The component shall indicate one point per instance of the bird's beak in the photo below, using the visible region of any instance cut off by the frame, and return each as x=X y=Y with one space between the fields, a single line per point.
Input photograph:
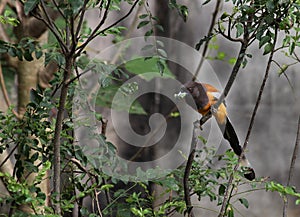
x=181 y=94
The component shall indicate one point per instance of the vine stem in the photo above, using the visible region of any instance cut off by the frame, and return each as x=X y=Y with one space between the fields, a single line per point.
x=229 y=184
x=292 y=166
x=188 y=167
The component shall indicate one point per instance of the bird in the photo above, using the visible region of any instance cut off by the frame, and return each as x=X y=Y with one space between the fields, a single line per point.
x=205 y=96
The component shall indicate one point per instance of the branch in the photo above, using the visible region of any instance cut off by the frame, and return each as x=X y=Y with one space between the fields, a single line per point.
x=93 y=35
x=48 y=22
x=5 y=94
x=57 y=132
x=226 y=195
x=228 y=86
x=228 y=36
x=187 y=197
x=95 y=31
x=188 y=167
x=59 y=9
x=80 y=22
x=292 y=165
x=213 y=21
x=82 y=73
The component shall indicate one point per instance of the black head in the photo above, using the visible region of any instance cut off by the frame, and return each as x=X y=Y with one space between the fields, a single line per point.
x=198 y=93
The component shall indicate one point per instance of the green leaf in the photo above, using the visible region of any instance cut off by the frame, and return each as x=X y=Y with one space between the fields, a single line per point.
x=264 y=40
x=222 y=189
x=268 y=48
x=239 y=30
x=38 y=54
x=283 y=68
x=224 y=16
x=30 y=5
x=12 y=51
x=143 y=23
x=184 y=12
x=230 y=211
x=221 y=56
x=106 y=187
x=289 y=190
x=292 y=47
x=143 y=16
x=159 y=27
x=28 y=56
x=244 y=201
x=35 y=97
x=270 y=5
x=148 y=33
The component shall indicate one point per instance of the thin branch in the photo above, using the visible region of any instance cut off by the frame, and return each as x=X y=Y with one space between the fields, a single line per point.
x=48 y=22
x=187 y=197
x=226 y=195
x=285 y=75
x=81 y=47
x=82 y=73
x=228 y=36
x=127 y=36
x=3 y=88
x=8 y=156
x=80 y=22
x=234 y=73
x=212 y=24
x=292 y=165
x=96 y=29
x=59 y=9
x=5 y=94
x=188 y=167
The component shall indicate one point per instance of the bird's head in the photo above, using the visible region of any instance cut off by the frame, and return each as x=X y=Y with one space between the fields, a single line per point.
x=193 y=91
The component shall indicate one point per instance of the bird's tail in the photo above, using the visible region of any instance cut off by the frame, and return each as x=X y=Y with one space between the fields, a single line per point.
x=231 y=136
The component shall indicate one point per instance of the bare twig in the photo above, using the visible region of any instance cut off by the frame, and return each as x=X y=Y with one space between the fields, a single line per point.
x=292 y=166
x=81 y=47
x=228 y=36
x=96 y=29
x=50 y=24
x=5 y=94
x=3 y=88
x=82 y=73
x=188 y=167
x=8 y=155
x=59 y=9
x=212 y=24
x=80 y=22
x=127 y=36
x=229 y=186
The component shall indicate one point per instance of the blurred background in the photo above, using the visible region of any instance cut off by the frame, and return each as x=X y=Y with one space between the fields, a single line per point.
x=273 y=137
